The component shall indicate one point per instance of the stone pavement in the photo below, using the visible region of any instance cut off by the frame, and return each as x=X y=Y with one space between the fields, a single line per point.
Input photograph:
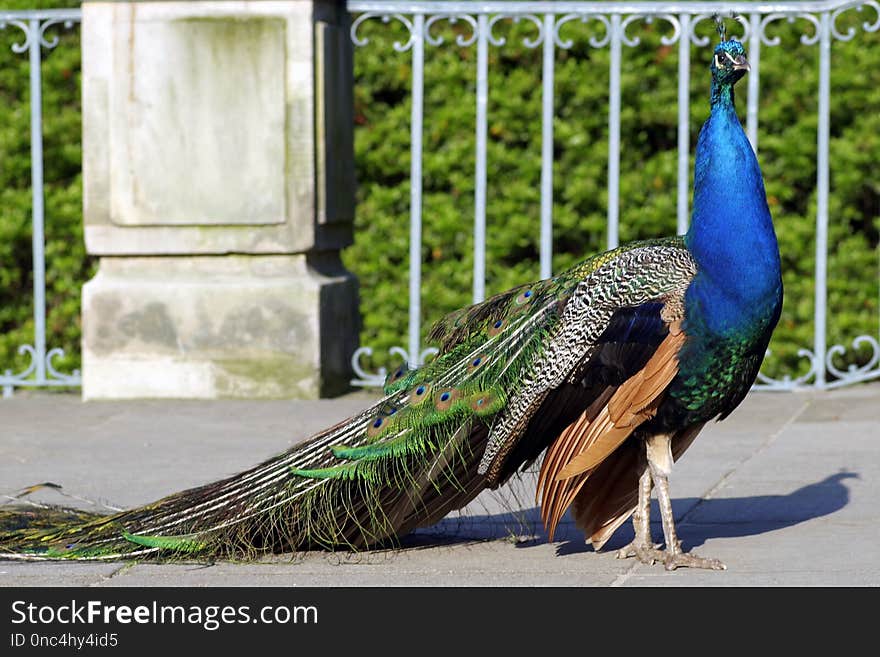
x=784 y=491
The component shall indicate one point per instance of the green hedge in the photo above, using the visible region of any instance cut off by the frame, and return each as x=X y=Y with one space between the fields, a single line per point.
x=648 y=166
x=379 y=256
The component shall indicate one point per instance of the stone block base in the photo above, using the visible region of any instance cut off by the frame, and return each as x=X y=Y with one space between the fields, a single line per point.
x=210 y=327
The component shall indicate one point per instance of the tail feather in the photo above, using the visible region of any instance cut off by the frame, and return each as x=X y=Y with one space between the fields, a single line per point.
x=270 y=507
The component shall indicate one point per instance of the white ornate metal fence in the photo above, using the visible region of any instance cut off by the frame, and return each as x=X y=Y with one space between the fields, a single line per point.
x=615 y=20
x=34 y=25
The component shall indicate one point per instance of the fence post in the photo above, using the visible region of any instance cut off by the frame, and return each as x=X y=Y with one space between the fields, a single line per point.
x=218 y=191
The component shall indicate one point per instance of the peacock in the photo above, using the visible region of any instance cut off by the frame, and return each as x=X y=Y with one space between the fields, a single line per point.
x=608 y=370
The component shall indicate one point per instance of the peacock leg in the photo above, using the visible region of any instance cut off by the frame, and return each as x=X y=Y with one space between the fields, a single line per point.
x=660 y=461
x=642 y=547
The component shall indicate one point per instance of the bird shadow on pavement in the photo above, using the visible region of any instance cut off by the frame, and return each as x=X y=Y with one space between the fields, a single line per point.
x=697 y=519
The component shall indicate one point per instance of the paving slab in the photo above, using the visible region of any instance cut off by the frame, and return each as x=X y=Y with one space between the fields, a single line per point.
x=784 y=492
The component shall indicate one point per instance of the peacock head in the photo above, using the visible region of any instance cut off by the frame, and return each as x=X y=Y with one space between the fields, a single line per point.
x=729 y=62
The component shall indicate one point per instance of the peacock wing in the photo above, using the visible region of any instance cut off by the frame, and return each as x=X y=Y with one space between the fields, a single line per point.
x=614 y=320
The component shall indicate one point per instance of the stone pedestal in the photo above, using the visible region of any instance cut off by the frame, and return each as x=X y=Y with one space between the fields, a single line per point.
x=218 y=189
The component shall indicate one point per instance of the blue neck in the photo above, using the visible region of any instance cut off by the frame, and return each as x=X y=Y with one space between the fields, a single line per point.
x=731 y=234
x=722 y=95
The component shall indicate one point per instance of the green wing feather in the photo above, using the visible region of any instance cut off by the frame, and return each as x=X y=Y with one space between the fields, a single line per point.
x=177 y=543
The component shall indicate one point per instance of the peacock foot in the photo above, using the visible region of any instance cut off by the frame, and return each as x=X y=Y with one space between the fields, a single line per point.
x=673 y=560
x=644 y=551
x=649 y=554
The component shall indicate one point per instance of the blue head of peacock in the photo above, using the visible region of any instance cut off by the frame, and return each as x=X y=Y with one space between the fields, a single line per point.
x=729 y=62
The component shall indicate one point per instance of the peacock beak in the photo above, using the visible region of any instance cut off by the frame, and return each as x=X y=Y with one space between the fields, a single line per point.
x=740 y=63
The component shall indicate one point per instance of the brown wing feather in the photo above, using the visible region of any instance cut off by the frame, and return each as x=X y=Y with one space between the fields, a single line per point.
x=592 y=437
x=561 y=451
